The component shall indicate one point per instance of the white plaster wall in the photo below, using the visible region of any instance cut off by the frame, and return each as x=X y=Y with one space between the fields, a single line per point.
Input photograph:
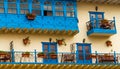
x=98 y=43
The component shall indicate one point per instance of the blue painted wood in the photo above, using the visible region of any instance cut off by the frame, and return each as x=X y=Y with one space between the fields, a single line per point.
x=49 y=49
x=95 y=24
x=19 y=20
x=13 y=58
x=35 y=56
x=96 y=58
x=114 y=57
x=83 y=54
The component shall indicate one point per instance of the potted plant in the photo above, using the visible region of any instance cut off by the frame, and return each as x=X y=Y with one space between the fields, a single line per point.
x=105 y=24
x=30 y=16
x=41 y=55
x=25 y=54
x=61 y=41
x=26 y=41
x=108 y=43
x=53 y=55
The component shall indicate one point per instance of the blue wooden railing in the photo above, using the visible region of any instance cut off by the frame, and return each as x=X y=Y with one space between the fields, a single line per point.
x=62 y=58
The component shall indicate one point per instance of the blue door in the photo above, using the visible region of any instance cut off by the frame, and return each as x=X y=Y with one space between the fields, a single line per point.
x=47 y=49
x=83 y=53
x=96 y=17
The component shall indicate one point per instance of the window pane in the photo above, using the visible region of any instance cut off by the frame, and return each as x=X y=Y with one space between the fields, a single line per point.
x=59 y=8
x=11 y=10
x=59 y=13
x=59 y=4
x=1 y=10
x=1 y=4
x=1 y=1
x=10 y=5
x=11 y=0
x=37 y=12
x=24 y=11
x=70 y=14
x=23 y=1
x=36 y=2
x=24 y=6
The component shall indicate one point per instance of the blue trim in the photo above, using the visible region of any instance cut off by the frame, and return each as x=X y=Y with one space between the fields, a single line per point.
x=83 y=50
x=50 y=61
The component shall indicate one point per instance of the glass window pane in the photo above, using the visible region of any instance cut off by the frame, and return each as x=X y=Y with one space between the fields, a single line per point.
x=11 y=5
x=59 y=13
x=1 y=10
x=23 y=11
x=1 y=1
x=24 y=6
x=23 y=1
x=70 y=14
x=11 y=0
x=37 y=12
x=1 y=4
x=11 y=10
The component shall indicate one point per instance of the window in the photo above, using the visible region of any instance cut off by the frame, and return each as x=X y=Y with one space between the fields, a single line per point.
x=1 y=6
x=70 y=9
x=12 y=6
x=23 y=6
x=58 y=9
x=48 y=8
x=36 y=7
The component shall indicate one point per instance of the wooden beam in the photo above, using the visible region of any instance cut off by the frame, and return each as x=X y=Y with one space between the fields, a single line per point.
x=25 y=30
x=63 y=32
x=45 y=31
x=32 y=30
x=51 y=31
x=69 y=32
x=12 y=30
x=57 y=32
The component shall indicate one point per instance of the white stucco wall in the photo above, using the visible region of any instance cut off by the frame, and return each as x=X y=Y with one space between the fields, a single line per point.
x=98 y=43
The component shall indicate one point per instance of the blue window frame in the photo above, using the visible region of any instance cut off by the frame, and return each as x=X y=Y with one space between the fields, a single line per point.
x=59 y=9
x=83 y=53
x=1 y=6
x=49 y=47
x=36 y=7
x=70 y=9
x=48 y=8
x=24 y=6
x=12 y=6
x=95 y=18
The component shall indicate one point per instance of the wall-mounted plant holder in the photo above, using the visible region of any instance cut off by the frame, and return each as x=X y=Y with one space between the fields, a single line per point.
x=26 y=41
x=108 y=43
x=61 y=42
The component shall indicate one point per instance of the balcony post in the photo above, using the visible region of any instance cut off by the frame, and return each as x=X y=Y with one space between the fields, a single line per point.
x=12 y=55
x=114 y=23
x=35 y=55
x=96 y=56
x=115 y=57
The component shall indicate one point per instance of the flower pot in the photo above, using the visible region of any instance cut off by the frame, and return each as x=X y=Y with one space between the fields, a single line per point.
x=41 y=56
x=53 y=56
x=30 y=17
x=25 y=55
x=60 y=42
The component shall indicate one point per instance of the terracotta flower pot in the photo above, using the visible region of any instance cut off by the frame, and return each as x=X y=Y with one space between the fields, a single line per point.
x=41 y=55
x=25 y=55
x=53 y=56
x=60 y=42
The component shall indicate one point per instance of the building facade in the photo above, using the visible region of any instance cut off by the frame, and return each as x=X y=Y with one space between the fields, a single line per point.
x=83 y=27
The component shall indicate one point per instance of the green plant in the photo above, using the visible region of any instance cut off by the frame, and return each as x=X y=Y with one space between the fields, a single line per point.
x=26 y=52
x=40 y=53
x=52 y=53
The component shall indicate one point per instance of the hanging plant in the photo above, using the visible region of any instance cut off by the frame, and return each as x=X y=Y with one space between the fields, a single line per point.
x=61 y=41
x=108 y=43
x=30 y=16
x=26 y=41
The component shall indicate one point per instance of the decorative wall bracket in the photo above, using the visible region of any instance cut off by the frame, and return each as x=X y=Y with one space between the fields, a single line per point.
x=61 y=41
x=108 y=43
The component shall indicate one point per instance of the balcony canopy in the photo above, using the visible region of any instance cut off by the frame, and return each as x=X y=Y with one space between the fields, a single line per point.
x=101 y=1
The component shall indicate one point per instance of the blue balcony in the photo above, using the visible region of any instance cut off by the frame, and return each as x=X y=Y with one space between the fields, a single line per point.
x=41 y=24
x=99 y=28
x=20 y=57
